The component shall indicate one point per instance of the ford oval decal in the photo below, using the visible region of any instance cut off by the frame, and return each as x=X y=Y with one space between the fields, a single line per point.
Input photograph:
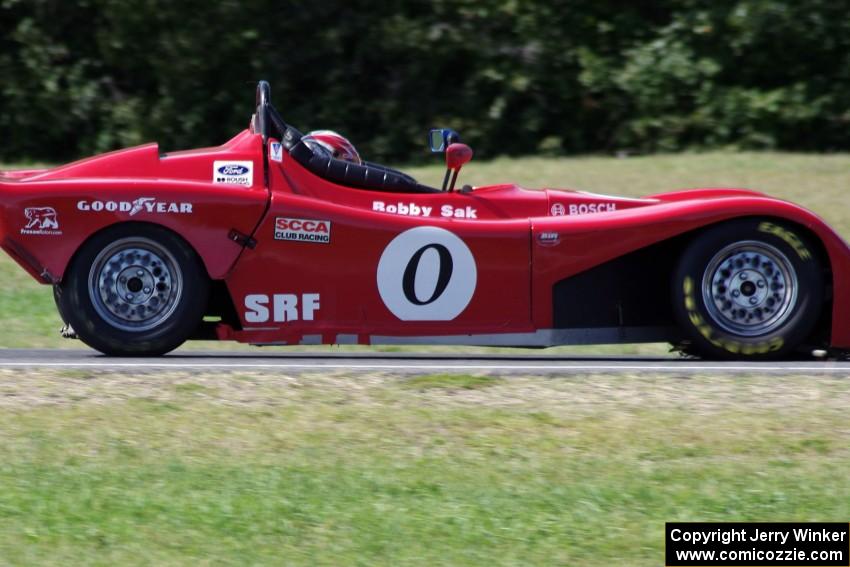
x=233 y=170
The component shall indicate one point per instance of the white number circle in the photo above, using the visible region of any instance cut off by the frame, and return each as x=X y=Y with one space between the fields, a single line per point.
x=427 y=274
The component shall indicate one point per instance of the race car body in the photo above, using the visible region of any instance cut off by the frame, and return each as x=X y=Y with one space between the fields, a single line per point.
x=271 y=239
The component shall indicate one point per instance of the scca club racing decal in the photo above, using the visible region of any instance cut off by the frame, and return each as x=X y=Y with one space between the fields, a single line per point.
x=41 y=220
x=302 y=230
x=427 y=274
x=233 y=173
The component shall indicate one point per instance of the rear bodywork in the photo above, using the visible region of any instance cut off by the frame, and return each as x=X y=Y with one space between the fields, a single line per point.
x=299 y=259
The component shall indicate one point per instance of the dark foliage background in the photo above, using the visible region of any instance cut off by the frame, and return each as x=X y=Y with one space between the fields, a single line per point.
x=514 y=76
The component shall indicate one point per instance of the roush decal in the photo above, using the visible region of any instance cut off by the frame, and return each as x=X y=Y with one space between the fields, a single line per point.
x=233 y=173
x=41 y=221
x=281 y=307
x=413 y=210
x=302 y=230
x=427 y=274
x=132 y=208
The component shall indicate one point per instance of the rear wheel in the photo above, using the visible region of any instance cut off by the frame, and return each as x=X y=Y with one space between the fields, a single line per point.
x=134 y=290
x=748 y=289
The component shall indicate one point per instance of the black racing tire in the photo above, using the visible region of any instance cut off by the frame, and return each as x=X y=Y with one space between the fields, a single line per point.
x=134 y=290
x=748 y=289
x=57 y=298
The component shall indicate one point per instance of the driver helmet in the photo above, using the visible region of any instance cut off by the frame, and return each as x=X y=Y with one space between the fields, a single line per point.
x=333 y=144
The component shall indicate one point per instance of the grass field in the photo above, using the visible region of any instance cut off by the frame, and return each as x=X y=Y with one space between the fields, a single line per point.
x=333 y=469
x=269 y=469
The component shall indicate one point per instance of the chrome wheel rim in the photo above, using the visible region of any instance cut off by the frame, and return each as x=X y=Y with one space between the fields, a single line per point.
x=749 y=288
x=135 y=284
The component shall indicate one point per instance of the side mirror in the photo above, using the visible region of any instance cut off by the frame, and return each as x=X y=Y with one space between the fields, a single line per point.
x=457 y=155
x=441 y=138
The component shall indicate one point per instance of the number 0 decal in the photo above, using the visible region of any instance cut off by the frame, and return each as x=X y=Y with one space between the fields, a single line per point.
x=427 y=274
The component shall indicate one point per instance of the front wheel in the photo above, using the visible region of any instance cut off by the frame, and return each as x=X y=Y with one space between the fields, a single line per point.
x=748 y=289
x=134 y=290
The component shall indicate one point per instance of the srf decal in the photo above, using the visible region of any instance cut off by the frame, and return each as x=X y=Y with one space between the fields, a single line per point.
x=281 y=307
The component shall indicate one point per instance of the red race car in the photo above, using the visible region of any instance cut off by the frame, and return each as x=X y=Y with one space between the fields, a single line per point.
x=277 y=237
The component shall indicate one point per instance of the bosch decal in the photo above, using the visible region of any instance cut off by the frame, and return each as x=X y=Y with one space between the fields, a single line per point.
x=414 y=210
x=281 y=307
x=302 y=230
x=132 y=208
x=234 y=173
x=558 y=210
x=427 y=274
x=587 y=208
x=41 y=221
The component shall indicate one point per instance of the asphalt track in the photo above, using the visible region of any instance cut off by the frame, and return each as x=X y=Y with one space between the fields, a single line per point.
x=408 y=363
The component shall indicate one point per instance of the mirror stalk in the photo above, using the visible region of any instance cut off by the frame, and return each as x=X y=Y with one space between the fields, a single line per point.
x=446 y=180
x=454 y=180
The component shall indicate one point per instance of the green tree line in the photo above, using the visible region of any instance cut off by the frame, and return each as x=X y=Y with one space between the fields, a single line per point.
x=513 y=76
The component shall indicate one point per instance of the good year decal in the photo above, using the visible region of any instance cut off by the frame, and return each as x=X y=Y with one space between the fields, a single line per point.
x=427 y=274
